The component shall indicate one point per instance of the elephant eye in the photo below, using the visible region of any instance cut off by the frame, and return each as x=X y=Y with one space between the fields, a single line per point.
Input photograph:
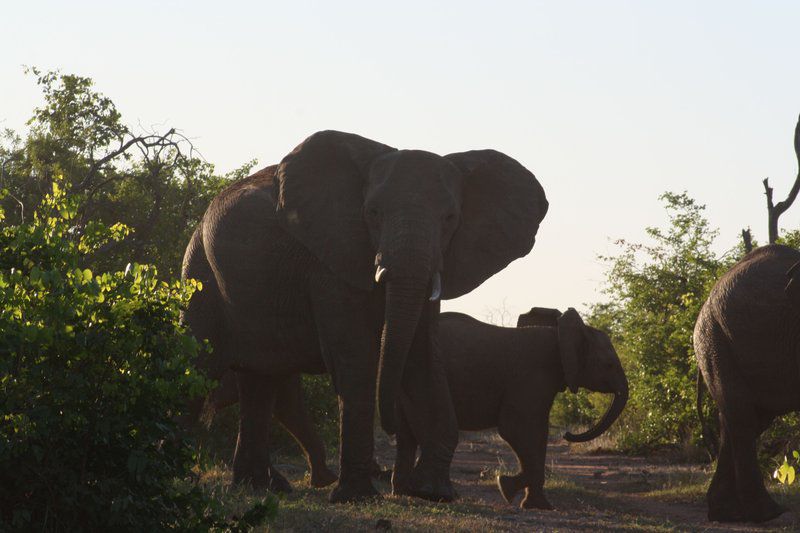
x=449 y=218
x=373 y=213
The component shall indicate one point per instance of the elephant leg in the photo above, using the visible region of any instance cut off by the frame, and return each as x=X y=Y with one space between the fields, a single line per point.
x=741 y=428
x=430 y=413
x=251 y=461
x=356 y=449
x=756 y=502
x=290 y=410
x=350 y=351
x=405 y=456
x=723 y=503
x=527 y=436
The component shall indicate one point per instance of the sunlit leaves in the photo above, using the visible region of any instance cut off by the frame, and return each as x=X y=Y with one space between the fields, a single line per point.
x=785 y=472
x=93 y=373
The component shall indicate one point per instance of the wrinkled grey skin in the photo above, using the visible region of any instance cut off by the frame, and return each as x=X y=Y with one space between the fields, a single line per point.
x=334 y=261
x=508 y=377
x=747 y=343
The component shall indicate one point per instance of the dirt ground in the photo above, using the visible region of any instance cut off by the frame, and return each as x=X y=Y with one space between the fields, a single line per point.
x=616 y=489
x=591 y=492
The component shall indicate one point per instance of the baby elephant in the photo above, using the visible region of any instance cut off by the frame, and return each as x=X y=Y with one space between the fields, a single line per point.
x=508 y=377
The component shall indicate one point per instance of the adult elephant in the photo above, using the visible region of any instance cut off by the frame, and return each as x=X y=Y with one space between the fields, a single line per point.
x=747 y=346
x=335 y=260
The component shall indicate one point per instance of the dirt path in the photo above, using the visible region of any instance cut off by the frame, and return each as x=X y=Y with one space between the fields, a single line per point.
x=602 y=492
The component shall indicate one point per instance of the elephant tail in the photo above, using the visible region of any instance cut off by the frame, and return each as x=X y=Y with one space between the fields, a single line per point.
x=205 y=319
x=710 y=440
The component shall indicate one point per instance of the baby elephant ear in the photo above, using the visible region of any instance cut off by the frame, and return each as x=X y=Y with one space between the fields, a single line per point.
x=539 y=316
x=320 y=188
x=571 y=339
x=502 y=205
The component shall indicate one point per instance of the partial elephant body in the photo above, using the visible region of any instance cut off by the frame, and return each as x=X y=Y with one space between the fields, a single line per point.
x=507 y=378
x=286 y=258
x=747 y=343
x=260 y=324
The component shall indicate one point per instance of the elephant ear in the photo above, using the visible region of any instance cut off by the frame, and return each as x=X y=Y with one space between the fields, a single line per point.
x=571 y=339
x=501 y=207
x=539 y=316
x=320 y=200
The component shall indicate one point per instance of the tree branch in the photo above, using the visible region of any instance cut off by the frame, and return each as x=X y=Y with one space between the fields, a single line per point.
x=170 y=139
x=774 y=211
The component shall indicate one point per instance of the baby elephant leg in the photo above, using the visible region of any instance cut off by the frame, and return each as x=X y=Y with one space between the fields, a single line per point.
x=528 y=439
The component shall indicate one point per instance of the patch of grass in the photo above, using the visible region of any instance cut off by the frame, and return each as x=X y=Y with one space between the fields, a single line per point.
x=309 y=510
x=681 y=487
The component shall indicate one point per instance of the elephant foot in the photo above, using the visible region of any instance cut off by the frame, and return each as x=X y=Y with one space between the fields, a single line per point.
x=757 y=509
x=429 y=486
x=766 y=509
x=276 y=483
x=725 y=513
x=354 y=491
x=535 y=501
x=322 y=477
x=509 y=487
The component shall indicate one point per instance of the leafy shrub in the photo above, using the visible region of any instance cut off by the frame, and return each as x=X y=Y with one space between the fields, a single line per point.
x=655 y=292
x=153 y=182
x=94 y=371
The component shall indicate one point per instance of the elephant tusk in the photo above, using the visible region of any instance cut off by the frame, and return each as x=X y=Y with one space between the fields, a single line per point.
x=436 y=288
x=379 y=273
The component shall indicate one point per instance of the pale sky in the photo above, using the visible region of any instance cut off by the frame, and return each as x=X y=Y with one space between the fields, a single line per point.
x=608 y=103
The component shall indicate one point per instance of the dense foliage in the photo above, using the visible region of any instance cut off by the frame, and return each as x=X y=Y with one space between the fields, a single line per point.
x=654 y=292
x=94 y=372
x=153 y=182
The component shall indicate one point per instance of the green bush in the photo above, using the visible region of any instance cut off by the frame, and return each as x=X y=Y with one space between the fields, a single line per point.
x=153 y=182
x=94 y=371
x=655 y=292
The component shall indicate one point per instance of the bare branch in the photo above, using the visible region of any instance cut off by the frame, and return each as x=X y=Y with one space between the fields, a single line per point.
x=774 y=211
x=170 y=139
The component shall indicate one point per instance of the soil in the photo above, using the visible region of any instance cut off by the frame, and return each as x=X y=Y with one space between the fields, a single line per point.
x=590 y=491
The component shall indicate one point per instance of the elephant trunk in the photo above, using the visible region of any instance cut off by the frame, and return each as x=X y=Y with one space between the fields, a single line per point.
x=611 y=415
x=405 y=298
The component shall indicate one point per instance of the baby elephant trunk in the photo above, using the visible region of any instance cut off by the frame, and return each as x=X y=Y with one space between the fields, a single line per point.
x=613 y=412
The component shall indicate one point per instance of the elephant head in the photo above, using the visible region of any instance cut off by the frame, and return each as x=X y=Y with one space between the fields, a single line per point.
x=426 y=226
x=590 y=361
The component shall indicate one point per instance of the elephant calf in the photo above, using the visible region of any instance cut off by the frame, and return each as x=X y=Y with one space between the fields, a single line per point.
x=508 y=378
